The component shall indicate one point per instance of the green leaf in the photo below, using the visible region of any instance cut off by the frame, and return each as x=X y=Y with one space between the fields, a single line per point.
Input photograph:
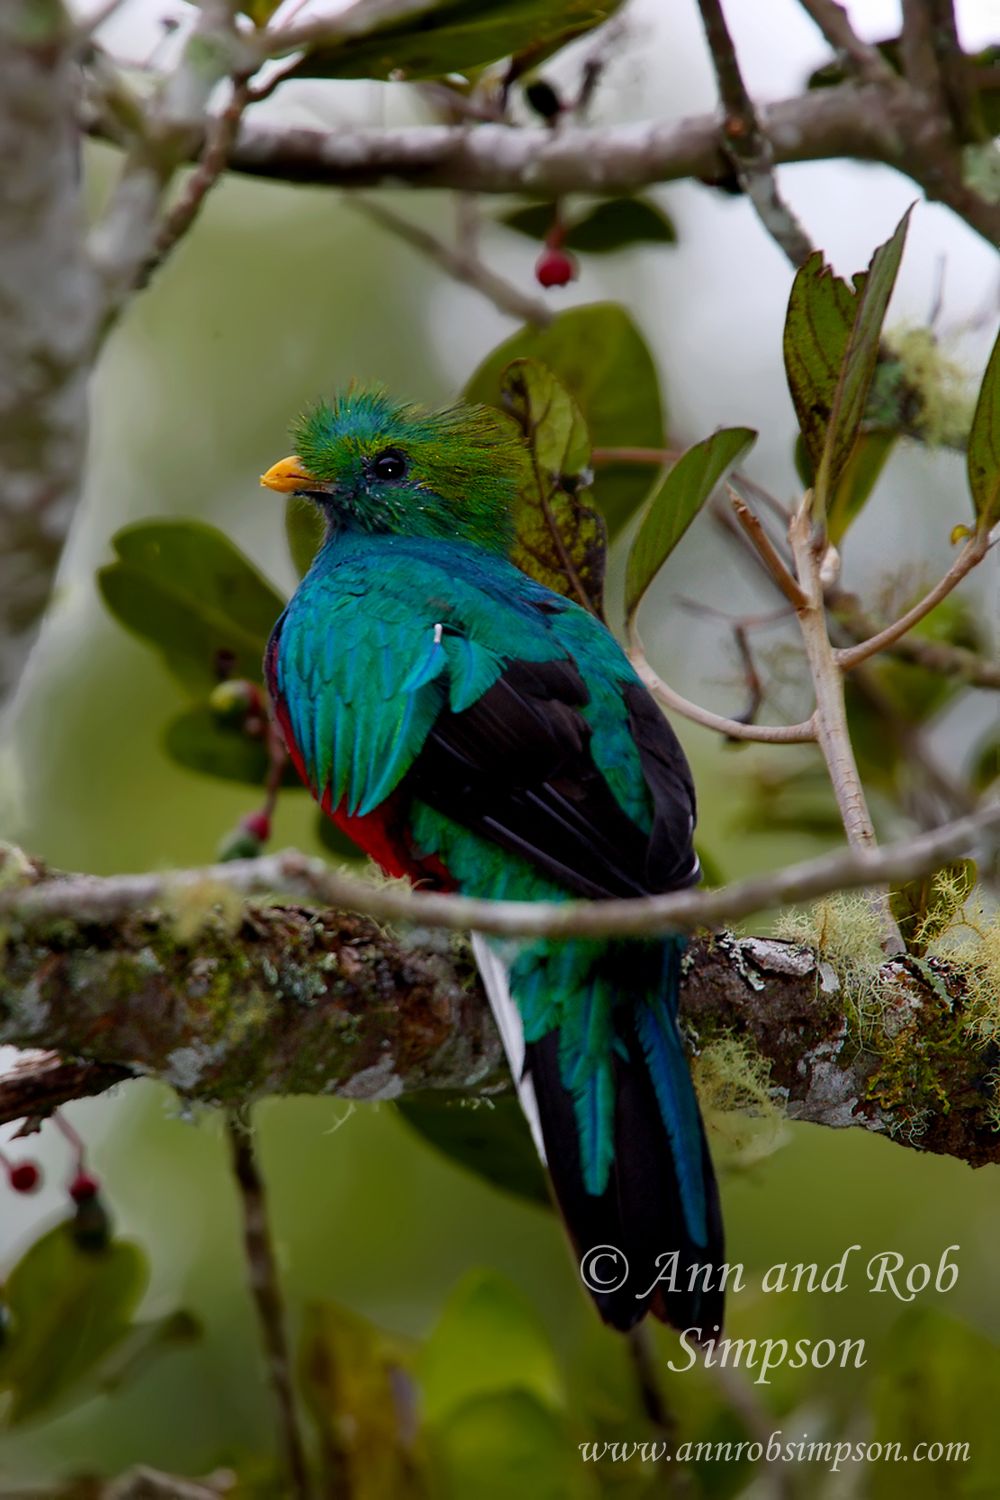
x=488 y=1137
x=558 y=538
x=938 y=1382
x=600 y=356
x=612 y=224
x=183 y=587
x=196 y=740
x=984 y=446
x=489 y=1339
x=453 y=36
x=682 y=493
x=356 y=1383
x=831 y=344
x=858 y=477
x=498 y=1446
x=68 y=1309
x=304 y=529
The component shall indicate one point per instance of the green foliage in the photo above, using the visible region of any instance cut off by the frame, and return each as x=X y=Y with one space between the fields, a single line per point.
x=488 y=1340
x=487 y=1136
x=69 y=1309
x=454 y=36
x=608 y=225
x=984 y=446
x=558 y=538
x=951 y=1397
x=831 y=344
x=680 y=496
x=196 y=740
x=183 y=587
x=358 y=1391
x=856 y=481
x=601 y=358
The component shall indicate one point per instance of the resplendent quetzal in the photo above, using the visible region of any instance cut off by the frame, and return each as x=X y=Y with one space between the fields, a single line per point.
x=477 y=732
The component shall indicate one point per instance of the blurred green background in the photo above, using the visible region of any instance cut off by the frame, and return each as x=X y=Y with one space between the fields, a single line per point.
x=282 y=294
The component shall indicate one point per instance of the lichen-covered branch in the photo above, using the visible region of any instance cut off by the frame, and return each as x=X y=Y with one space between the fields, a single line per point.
x=230 y=1004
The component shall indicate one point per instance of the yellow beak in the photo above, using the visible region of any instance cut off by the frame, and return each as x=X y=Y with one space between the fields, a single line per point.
x=288 y=475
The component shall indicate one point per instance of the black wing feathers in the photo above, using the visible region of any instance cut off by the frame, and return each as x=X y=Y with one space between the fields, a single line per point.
x=517 y=767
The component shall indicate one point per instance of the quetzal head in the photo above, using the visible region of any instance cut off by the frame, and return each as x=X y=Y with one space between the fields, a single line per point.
x=383 y=466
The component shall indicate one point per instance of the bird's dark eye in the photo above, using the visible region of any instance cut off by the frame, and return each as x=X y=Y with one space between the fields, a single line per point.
x=390 y=464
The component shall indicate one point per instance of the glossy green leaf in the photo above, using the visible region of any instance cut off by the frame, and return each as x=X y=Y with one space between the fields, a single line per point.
x=679 y=498
x=304 y=530
x=612 y=224
x=184 y=588
x=196 y=740
x=488 y=1339
x=831 y=343
x=488 y=1137
x=452 y=36
x=601 y=358
x=984 y=446
x=69 y=1308
x=558 y=538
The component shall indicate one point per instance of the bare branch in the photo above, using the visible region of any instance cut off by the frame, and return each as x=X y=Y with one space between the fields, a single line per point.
x=934 y=656
x=971 y=554
x=832 y=732
x=734 y=729
x=107 y=898
x=265 y=1288
x=834 y=22
x=768 y=553
x=745 y=144
x=462 y=264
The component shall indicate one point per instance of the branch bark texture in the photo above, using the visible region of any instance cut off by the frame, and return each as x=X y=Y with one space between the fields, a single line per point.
x=266 y=999
x=48 y=302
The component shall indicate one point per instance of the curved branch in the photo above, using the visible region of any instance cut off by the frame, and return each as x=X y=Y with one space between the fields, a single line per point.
x=95 y=898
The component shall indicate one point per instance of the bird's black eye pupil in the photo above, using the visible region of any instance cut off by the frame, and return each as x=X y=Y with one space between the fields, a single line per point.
x=389 y=465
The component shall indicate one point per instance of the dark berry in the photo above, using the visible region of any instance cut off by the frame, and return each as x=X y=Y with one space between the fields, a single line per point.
x=543 y=99
x=555 y=267
x=25 y=1177
x=83 y=1187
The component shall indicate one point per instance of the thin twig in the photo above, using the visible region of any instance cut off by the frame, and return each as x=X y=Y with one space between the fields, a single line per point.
x=104 y=898
x=745 y=143
x=917 y=54
x=769 y=555
x=462 y=265
x=219 y=139
x=266 y=1291
x=970 y=556
x=652 y=456
x=834 y=22
x=770 y=734
x=832 y=732
x=934 y=656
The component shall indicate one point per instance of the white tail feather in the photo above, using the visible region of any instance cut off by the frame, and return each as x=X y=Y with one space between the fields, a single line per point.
x=496 y=982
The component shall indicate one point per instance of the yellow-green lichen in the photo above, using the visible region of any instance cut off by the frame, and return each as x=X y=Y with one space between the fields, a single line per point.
x=733 y=1082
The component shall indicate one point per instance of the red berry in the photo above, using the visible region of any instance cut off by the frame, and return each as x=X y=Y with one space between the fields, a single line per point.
x=25 y=1177
x=258 y=825
x=83 y=1187
x=555 y=267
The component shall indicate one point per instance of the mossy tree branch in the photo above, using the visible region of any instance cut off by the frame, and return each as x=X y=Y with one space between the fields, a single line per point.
x=243 y=1000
